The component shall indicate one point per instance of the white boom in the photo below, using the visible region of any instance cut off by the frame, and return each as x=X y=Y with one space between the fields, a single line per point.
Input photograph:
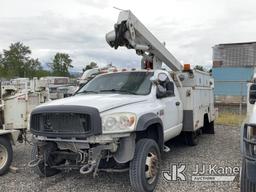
x=131 y=33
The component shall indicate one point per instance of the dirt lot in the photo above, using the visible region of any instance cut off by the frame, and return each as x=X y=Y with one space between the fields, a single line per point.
x=221 y=149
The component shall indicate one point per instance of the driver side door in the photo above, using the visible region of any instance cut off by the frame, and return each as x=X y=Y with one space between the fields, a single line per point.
x=172 y=113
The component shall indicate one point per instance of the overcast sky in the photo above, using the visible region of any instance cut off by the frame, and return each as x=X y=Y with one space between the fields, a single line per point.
x=189 y=27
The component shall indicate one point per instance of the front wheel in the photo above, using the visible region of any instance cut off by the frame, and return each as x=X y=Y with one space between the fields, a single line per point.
x=145 y=166
x=6 y=154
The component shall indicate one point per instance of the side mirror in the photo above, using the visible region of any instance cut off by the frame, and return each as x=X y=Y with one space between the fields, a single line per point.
x=160 y=92
x=162 y=77
x=252 y=94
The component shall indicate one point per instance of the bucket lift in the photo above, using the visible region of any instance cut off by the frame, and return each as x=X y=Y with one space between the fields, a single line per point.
x=131 y=33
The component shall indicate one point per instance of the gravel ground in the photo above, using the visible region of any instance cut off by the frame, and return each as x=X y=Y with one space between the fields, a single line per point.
x=221 y=149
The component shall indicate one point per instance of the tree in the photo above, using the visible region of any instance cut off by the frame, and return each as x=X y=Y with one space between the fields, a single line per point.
x=16 y=62
x=2 y=72
x=1 y=59
x=31 y=67
x=199 y=67
x=61 y=64
x=42 y=73
x=90 y=66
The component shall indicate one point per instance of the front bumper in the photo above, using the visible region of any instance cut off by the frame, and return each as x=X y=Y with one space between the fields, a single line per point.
x=94 y=139
x=85 y=154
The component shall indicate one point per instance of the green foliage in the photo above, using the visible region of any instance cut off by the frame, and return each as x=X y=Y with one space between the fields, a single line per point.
x=90 y=66
x=16 y=62
x=1 y=59
x=199 y=67
x=1 y=66
x=61 y=64
x=42 y=73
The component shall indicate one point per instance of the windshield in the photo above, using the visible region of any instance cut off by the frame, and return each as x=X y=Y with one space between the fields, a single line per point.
x=136 y=83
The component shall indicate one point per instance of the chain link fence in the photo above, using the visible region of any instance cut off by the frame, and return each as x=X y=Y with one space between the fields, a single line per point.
x=230 y=96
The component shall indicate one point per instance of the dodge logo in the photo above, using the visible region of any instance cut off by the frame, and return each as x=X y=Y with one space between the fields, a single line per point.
x=48 y=124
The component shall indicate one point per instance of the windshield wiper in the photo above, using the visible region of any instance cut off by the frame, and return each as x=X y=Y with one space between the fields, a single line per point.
x=85 y=91
x=119 y=90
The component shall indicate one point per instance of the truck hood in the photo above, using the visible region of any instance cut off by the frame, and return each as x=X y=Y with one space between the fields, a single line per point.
x=103 y=102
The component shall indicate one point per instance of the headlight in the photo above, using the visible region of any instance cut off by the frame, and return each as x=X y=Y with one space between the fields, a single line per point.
x=118 y=122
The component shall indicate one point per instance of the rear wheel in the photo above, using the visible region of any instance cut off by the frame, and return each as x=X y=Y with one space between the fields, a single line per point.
x=246 y=184
x=145 y=166
x=41 y=169
x=6 y=154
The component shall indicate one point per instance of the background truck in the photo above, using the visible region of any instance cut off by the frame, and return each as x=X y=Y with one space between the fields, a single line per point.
x=248 y=142
x=18 y=98
x=119 y=121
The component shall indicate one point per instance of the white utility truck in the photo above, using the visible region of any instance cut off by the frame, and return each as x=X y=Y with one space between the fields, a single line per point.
x=91 y=73
x=248 y=142
x=59 y=87
x=88 y=75
x=18 y=98
x=120 y=121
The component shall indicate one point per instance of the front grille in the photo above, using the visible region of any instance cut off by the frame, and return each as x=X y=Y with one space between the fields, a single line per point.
x=61 y=123
x=65 y=121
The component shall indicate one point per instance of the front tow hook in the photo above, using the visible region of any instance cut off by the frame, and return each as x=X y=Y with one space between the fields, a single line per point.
x=86 y=169
x=34 y=163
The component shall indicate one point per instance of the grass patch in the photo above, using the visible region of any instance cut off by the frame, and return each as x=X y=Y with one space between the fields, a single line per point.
x=228 y=118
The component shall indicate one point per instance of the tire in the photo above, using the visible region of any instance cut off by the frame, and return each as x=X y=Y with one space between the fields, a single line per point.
x=146 y=152
x=245 y=183
x=41 y=169
x=6 y=154
x=191 y=138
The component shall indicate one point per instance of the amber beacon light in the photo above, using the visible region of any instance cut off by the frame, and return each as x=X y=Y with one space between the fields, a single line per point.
x=186 y=67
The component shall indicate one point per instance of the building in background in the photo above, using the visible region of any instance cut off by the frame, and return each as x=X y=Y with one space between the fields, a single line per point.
x=233 y=66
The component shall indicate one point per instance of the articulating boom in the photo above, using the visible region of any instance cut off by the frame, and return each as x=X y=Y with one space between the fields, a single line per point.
x=131 y=33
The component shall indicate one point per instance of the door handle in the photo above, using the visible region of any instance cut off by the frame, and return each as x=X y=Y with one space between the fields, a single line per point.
x=177 y=103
